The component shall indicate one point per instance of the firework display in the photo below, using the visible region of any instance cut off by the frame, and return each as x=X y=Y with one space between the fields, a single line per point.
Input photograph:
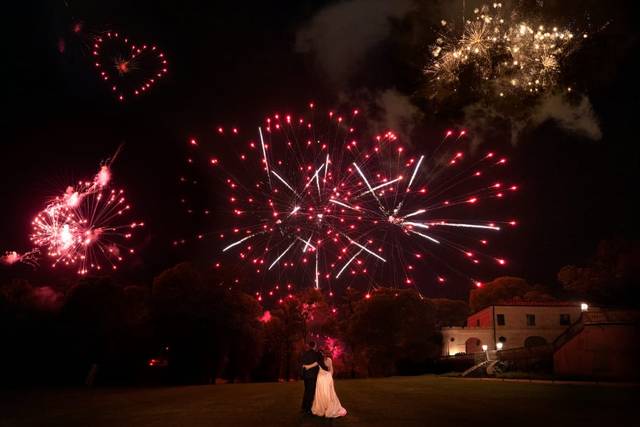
x=129 y=69
x=313 y=197
x=86 y=226
x=512 y=56
x=13 y=257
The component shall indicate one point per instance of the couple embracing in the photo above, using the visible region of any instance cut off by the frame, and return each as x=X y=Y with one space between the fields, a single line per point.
x=319 y=397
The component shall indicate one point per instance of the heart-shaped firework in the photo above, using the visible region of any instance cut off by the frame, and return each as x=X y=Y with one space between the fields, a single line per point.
x=129 y=69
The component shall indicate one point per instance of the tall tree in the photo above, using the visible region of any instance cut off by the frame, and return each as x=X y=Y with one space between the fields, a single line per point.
x=450 y=312
x=288 y=334
x=212 y=331
x=611 y=276
x=392 y=328
x=505 y=289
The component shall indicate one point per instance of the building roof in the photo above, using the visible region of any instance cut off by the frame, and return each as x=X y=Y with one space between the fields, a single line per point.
x=538 y=304
x=519 y=303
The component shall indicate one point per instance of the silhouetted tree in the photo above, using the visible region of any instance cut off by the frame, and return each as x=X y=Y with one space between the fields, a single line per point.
x=94 y=320
x=288 y=334
x=241 y=334
x=29 y=329
x=450 y=312
x=611 y=277
x=319 y=319
x=505 y=289
x=212 y=331
x=392 y=328
x=184 y=313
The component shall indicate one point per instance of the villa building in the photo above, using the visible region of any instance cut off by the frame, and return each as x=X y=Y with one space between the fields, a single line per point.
x=511 y=325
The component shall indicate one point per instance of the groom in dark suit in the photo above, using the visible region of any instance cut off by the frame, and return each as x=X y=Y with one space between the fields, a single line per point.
x=310 y=376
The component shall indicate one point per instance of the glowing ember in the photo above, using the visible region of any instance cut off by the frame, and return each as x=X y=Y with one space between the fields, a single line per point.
x=266 y=317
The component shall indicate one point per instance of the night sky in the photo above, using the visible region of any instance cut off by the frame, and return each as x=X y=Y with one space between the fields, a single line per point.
x=233 y=64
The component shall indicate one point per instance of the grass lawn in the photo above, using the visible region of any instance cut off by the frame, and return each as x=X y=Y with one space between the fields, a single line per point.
x=398 y=401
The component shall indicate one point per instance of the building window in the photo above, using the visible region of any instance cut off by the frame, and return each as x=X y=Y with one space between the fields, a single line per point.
x=565 y=319
x=502 y=339
x=531 y=320
x=500 y=319
x=477 y=322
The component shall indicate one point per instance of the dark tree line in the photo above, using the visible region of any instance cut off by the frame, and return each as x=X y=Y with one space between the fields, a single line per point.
x=611 y=277
x=190 y=325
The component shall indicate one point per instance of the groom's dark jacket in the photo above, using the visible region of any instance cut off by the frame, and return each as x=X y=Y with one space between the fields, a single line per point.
x=308 y=357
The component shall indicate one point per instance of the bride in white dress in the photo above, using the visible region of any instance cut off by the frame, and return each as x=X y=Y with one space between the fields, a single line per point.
x=326 y=402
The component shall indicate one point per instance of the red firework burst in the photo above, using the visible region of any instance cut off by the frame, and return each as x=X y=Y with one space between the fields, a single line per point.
x=86 y=227
x=335 y=202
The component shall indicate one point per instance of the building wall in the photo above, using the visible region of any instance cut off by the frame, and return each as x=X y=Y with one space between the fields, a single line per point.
x=454 y=340
x=514 y=332
x=547 y=323
x=600 y=351
x=481 y=319
x=546 y=317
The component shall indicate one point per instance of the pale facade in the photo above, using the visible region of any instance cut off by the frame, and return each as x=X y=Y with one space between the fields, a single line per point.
x=514 y=325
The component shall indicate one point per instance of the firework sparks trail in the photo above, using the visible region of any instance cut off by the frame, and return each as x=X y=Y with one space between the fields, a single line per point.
x=264 y=155
x=295 y=209
x=326 y=168
x=307 y=244
x=364 y=248
x=415 y=172
x=348 y=263
x=384 y=184
x=371 y=190
x=413 y=176
x=449 y=224
x=314 y=177
x=317 y=275
x=238 y=242
x=338 y=202
x=425 y=236
x=415 y=224
x=285 y=183
x=418 y=212
x=359 y=219
x=281 y=255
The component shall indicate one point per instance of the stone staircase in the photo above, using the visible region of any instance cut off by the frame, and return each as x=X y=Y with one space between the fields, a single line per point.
x=474 y=368
x=571 y=332
x=491 y=370
x=488 y=364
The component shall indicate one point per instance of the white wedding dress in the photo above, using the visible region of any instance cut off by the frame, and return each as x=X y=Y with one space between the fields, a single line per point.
x=326 y=402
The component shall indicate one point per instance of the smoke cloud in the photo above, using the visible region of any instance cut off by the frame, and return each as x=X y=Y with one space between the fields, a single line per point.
x=396 y=112
x=574 y=116
x=341 y=35
x=46 y=298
